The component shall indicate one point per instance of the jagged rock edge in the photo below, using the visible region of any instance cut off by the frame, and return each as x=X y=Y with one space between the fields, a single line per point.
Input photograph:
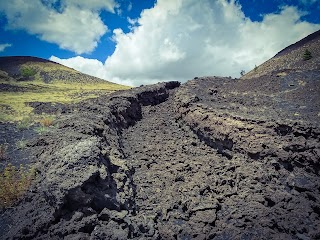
x=99 y=129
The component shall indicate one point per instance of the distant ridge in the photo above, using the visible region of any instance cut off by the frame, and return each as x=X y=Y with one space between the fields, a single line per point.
x=31 y=85
x=21 y=59
x=46 y=70
x=9 y=63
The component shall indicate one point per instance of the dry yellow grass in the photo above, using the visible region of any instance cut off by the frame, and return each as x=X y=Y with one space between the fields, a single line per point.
x=46 y=121
x=65 y=85
x=14 y=183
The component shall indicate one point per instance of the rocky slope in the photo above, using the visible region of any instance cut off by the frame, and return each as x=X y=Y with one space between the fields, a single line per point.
x=291 y=59
x=215 y=158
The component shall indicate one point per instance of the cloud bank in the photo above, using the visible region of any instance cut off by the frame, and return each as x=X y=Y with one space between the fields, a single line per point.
x=180 y=39
x=72 y=24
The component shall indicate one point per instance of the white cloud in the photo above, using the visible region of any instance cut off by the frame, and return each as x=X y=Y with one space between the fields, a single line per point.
x=4 y=46
x=76 y=26
x=132 y=22
x=180 y=39
x=108 y=5
x=92 y=67
x=129 y=6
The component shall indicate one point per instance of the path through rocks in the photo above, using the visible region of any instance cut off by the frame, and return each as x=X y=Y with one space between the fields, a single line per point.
x=172 y=172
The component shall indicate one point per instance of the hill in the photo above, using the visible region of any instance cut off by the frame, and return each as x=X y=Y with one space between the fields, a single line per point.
x=26 y=82
x=214 y=158
x=291 y=59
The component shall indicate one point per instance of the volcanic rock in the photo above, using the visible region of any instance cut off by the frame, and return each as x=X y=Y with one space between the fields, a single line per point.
x=214 y=158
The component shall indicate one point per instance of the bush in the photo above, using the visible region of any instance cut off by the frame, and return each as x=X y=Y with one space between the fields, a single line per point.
x=21 y=144
x=46 y=122
x=27 y=72
x=14 y=183
x=307 y=55
x=25 y=123
x=41 y=130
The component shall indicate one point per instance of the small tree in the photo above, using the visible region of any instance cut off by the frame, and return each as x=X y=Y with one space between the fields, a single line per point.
x=307 y=55
x=243 y=72
x=255 y=68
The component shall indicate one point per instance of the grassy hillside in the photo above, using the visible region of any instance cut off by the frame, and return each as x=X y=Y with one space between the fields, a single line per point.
x=24 y=80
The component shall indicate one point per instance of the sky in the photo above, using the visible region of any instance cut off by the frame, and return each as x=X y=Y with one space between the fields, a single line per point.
x=135 y=42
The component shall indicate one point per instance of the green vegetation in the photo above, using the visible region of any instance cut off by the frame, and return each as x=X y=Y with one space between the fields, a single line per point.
x=14 y=183
x=21 y=144
x=43 y=82
x=40 y=92
x=51 y=83
x=28 y=72
x=42 y=129
x=46 y=124
x=25 y=122
x=307 y=55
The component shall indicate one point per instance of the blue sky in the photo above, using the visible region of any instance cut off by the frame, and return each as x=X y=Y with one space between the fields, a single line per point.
x=139 y=42
x=25 y=44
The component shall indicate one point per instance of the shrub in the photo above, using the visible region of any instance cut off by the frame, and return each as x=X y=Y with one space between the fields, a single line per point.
x=41 y=130
x=243 y=72
x=14 y=183
x=27 y=72
x=46 y=122
x=307 y=55
x=25 y=123
x=21 y=144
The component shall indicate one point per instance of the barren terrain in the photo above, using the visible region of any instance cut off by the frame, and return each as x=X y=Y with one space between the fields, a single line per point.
x=214 y=158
